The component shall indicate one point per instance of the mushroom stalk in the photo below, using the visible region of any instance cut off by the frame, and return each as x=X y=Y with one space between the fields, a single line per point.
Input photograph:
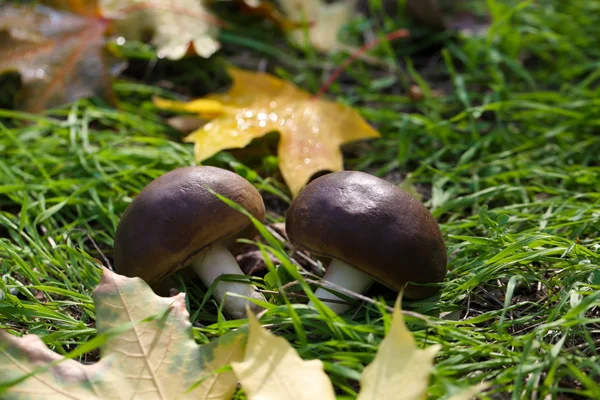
x=217 y=261
x=341 y=274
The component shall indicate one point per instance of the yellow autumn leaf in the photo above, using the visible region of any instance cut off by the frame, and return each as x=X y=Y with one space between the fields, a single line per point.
x=154 y=356
x=400 y=371
x=206 y=107
x=272 y=370
x=311 y=130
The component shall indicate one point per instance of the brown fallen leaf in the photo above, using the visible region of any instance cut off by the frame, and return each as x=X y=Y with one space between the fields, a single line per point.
x=311 y=129
x=149 y=353
x=60 y=56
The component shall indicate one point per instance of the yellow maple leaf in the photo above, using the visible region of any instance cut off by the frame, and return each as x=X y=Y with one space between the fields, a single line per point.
x=272 y=370
x=400 y=371
x=153 y=356
x=312 y=130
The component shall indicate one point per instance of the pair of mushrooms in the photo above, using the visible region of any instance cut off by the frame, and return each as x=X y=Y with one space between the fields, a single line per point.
x=370 y=229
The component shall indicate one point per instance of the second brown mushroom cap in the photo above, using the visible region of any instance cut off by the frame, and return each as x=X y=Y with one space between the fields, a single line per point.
x=372 y=230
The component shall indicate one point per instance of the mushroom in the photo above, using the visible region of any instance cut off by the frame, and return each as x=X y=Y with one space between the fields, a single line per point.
x=177 y=222
x=371 y=230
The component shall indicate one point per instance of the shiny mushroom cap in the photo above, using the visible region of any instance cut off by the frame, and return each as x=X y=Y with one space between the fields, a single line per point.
x=175 y=218
x=371 y=225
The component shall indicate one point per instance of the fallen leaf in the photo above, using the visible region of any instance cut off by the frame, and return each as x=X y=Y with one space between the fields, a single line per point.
x=154 y=355
x=311 y=129
x=174 y=25
x=60 y=56
x=272 y=370
x=324 y=21
x=206 y=107
x=400 y=371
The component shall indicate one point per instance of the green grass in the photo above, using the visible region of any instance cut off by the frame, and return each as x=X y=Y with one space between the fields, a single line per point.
x=507 y=158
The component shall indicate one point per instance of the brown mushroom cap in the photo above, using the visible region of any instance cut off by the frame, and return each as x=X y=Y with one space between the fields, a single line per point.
x=371 y=225
x=175 y=218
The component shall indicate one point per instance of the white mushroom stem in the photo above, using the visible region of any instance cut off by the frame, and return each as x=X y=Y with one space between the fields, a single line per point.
x=218 y=261
x=341 y=274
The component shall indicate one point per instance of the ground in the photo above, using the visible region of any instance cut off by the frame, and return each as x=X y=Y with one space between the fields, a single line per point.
x=503 y=149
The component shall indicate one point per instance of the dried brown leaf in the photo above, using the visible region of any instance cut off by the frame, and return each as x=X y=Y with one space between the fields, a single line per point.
x=60 y=56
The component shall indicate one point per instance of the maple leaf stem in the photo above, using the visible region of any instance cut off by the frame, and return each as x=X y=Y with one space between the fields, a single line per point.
x=177 y=10
x=397 y=34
